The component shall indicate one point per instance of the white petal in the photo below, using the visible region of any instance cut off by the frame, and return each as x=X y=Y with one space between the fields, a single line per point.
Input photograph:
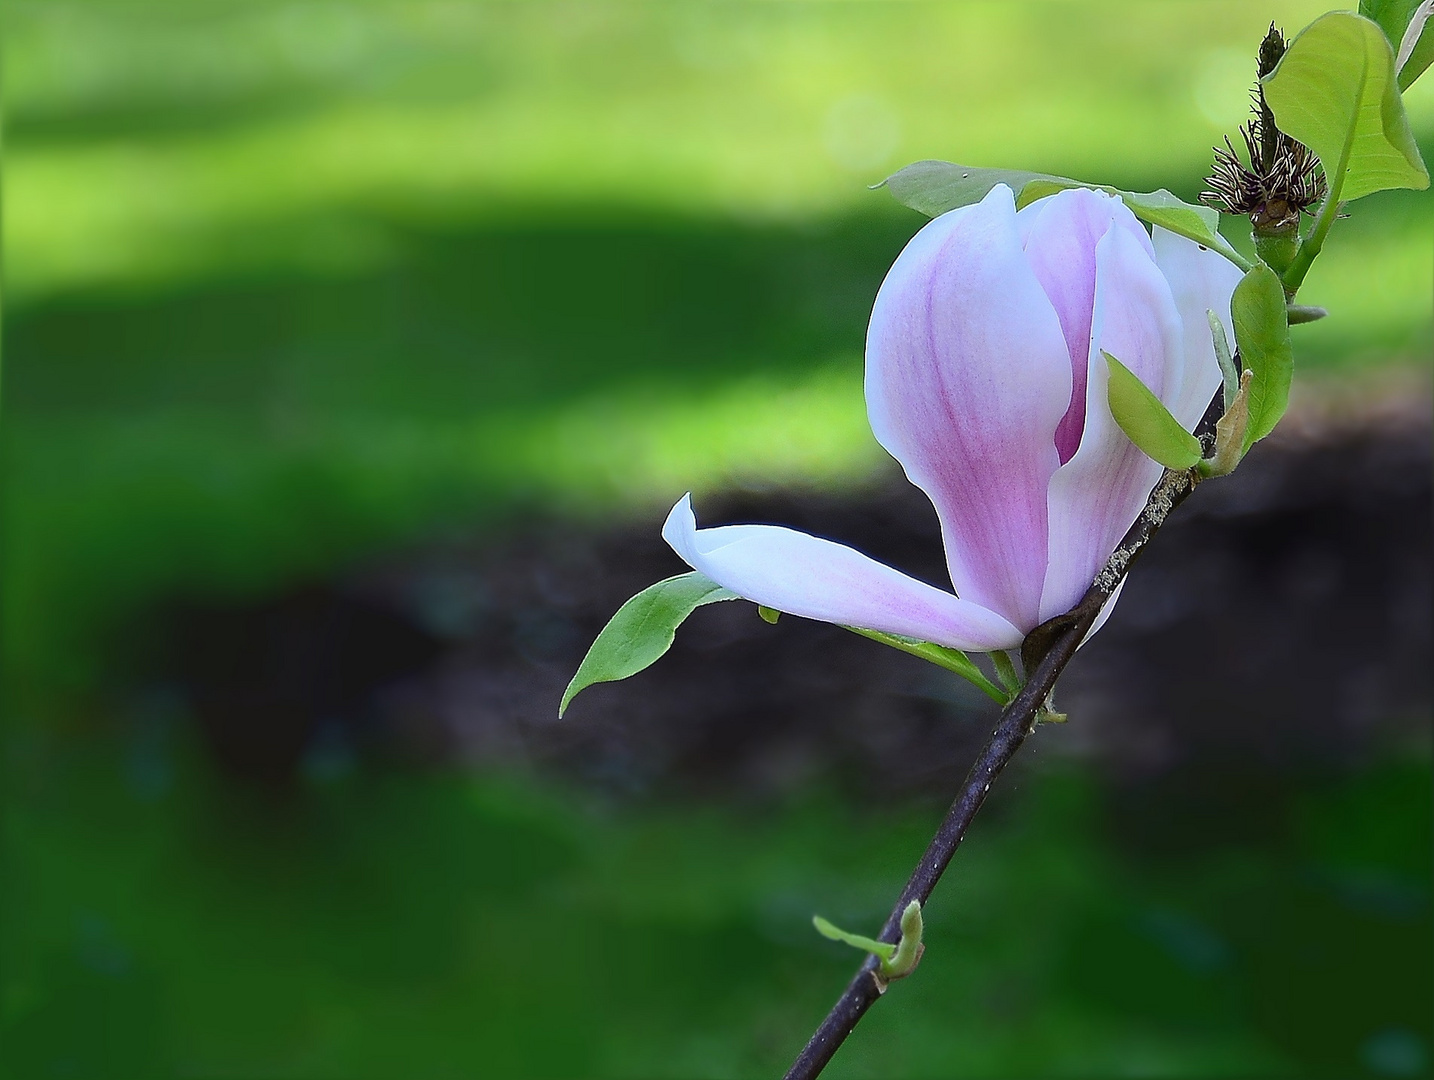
x=1200 y=280
x=804 y=575
x=1105 y=610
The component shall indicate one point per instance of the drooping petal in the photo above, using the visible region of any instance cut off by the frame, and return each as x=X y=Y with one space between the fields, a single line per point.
x=805 y=575
x=967 y=377
x=1060 y=246
x=1097 y=495
x=1201 y=280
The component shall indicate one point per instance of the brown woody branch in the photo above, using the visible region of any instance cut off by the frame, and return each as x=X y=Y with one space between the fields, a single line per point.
x=1047 y=650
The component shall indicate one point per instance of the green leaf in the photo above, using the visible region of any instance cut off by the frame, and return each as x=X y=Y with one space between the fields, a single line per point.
x=883 y=949
x=1039 y=187
x=1404 y=23
x=909 y=949
x=1006 y=671
x=1262 y=336
x=897 y=961
x=1229 y=373
x=953 y=660
x=1392 y=16
x=934 y=187
x=642 y=630
x=1198 y=223
x=1416 y=51
x=1143 y=417
x=1334 y=90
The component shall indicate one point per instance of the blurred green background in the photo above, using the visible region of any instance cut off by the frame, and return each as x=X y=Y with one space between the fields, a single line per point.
x=291 y=284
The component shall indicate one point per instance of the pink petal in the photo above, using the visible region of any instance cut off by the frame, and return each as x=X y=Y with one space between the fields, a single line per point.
x=1060 y=245
x=1097 y=495
x=1200 y=280
x=804 y=575
x=967 y=377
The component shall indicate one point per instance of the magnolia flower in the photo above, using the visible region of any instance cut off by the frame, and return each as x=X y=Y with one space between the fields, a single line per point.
x=985 y=379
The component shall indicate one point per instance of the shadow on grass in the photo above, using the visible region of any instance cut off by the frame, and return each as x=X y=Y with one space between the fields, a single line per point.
x=464 y=321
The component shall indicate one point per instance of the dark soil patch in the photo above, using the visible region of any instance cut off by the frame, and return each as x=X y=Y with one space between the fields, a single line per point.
x=1282 y=622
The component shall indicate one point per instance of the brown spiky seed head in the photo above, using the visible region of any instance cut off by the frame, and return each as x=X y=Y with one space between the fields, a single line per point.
x=1283 y=178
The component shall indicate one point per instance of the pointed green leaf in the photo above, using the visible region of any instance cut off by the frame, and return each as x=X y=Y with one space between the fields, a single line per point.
x=1405 y=23
x=1006 y=671
x=1262 y=336
x=1334 y=90
x=953 y=660
x=1143 y=417
x=883 y=949
x=642 y=630
x=1229 y=373
x=934 y=187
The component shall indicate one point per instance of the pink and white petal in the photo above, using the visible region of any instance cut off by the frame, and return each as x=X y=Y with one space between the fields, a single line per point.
x=967 y=377
x=1097 y=495
x=1201 y=280
x=805 y=575
x=1026 y=218
x=1060 y=246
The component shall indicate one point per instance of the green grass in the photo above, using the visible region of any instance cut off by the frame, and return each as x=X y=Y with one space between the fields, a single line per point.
x=444 y=926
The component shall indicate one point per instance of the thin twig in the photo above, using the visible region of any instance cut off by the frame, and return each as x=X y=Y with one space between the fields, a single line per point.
x=1047 y=650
